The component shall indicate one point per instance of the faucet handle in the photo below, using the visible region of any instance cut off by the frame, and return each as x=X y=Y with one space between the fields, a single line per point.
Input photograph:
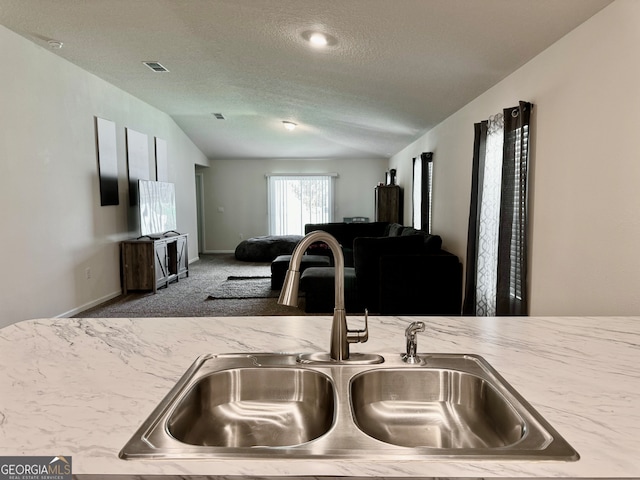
x=360 y=336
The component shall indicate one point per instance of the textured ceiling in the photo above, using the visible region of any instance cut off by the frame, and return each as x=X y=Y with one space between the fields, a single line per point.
x=397 y=69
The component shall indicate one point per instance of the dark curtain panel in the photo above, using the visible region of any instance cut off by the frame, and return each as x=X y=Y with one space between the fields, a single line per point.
x=479 y=148
x=512 y=240
x=512 y=244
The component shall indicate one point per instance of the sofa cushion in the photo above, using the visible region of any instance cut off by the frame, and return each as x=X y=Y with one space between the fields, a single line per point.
x=409 y=231
x=367 y=253
x=432 y=243
x=344 y=233
x=394 y=230
x=318 y=284
x=280 y=266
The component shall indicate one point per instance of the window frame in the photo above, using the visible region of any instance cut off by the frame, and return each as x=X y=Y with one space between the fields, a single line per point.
x=271 y=202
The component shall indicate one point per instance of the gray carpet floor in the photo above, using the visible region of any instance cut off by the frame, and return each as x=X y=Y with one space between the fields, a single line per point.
x=189 y=297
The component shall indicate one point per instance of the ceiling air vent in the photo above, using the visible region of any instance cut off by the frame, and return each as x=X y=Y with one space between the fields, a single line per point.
x=219 y=116
x=155 y=66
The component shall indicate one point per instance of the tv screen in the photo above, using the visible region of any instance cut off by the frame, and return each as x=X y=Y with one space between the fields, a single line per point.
x=157 y=207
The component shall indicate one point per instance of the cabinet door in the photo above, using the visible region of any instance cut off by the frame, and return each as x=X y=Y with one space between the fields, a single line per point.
x=137 y=266
x=388 y=204
x=161 y=264
x=183 y=256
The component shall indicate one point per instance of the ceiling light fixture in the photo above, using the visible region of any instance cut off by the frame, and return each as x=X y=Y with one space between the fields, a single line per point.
x=289 y=125
x=55 y=44
x=318 y=40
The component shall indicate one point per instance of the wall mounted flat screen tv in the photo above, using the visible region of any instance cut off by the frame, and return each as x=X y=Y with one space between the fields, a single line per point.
x=157 y=207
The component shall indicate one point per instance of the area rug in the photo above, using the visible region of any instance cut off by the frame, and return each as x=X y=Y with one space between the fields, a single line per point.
x=244 y=287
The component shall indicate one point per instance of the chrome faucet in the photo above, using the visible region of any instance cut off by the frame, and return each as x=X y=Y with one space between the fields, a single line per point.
x=411 y=333
x=341 y=336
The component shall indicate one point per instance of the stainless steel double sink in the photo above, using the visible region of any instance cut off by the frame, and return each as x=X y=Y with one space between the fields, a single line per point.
x=273 y=406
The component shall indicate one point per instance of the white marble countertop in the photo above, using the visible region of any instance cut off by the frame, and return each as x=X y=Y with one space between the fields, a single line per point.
x=81 y=387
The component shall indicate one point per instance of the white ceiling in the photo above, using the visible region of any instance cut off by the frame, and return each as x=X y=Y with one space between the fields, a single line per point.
x=399 y=67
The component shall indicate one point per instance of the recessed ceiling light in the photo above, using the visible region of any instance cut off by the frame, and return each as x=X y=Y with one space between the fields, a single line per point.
x=289 y=125
x=318 y=39
x=55 y=44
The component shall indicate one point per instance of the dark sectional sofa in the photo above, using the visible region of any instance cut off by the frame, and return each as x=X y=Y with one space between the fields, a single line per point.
x=390 y=269
x=346 y=233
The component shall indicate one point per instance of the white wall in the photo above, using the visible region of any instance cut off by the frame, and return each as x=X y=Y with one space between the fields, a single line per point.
x=239 y=187
x=585 y=214
x=53 y=227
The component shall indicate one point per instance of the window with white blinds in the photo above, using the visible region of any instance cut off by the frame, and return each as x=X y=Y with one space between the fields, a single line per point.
x=519 y=158
x=295 y=200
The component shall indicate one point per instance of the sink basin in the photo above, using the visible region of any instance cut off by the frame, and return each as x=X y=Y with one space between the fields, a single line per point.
x=247 y=407
x=434 y=408
x=284 y=406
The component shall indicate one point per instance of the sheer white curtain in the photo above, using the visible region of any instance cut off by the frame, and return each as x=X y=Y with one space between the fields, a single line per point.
x=295 y=200
x=487 y=273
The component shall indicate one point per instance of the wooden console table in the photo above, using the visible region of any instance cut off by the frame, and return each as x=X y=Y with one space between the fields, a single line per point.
x=150 y=263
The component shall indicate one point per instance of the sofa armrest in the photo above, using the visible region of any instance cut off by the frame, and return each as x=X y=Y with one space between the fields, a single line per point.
x=420 y=284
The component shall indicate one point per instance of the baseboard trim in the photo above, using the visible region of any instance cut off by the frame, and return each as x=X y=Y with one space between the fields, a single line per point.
x=97 y=302
x=219 y=251
x=89 y=305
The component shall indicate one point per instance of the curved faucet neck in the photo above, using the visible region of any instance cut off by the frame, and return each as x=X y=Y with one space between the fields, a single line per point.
x=338 y=259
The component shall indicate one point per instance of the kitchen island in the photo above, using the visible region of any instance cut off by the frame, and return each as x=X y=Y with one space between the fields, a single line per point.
x=81 y=387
